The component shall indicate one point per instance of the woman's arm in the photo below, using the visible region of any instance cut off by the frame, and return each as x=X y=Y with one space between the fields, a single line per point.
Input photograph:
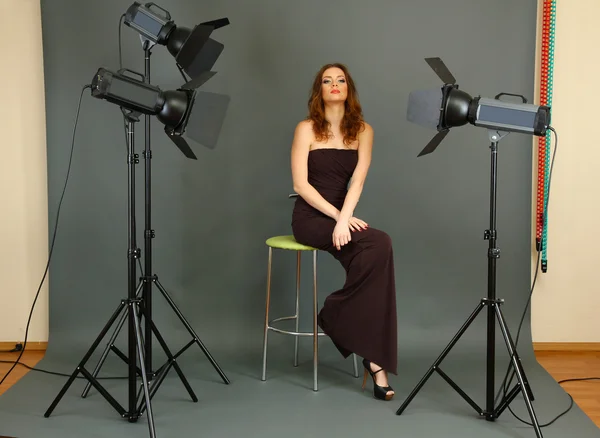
x=299 y=157
x=360 y=174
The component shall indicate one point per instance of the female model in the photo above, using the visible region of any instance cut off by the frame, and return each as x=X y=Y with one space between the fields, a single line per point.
x=330 y=158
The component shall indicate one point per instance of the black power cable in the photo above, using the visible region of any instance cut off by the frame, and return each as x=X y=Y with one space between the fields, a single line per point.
x=53 y=237
x=21 y=347
x=57 y=374
x=506 y=384
x=18 y=347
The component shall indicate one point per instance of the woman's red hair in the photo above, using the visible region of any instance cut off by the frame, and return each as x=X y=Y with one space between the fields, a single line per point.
x=353 y=121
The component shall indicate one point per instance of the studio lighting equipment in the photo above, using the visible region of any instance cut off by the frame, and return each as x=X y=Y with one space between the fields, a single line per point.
x=176 y=110
x=444 y=108
x=185 y=110
x=195 y=53
x=193 y=49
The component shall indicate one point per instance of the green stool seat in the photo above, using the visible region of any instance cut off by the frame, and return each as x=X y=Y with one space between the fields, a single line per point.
x=288 y=242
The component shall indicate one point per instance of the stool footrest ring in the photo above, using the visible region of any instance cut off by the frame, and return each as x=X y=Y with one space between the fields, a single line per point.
x=288 y=332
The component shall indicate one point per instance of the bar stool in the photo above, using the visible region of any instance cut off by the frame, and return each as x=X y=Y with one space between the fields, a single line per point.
x=287 y=242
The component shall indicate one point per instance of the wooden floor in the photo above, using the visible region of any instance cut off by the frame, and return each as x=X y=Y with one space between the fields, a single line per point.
x=560 y=364
x=572 y=365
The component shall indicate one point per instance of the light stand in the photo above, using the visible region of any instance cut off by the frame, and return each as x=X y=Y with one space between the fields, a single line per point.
x=148 y=231
x=147 y=280
x=135 y=340
x=494 y=313
x=202 y=114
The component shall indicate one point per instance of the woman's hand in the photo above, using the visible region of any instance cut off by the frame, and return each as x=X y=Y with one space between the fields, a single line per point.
x=357 y=224
x=341 y=234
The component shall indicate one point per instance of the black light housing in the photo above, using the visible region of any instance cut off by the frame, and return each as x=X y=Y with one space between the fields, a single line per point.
x=193 y=49
x=199 y=115
x=448 y=107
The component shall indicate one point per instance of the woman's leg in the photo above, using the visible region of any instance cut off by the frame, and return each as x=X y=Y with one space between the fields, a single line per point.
x=361 y=316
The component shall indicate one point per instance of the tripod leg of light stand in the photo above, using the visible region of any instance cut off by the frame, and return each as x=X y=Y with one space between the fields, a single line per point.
x=527 y=386
x=435 y=366
x=508 y=397
x=526 y=381
x=518 y=370
x=170 y=363
x=81 y=369
x=191 y=331
x=140 y=352
x=109 y=346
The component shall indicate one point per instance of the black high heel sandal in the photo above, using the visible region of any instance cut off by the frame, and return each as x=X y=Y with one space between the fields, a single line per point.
x=379 y=392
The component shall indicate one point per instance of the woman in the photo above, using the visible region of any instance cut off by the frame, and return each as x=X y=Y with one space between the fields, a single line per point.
x=330 y=158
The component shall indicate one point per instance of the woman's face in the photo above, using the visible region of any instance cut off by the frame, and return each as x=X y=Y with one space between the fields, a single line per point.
x=333 y=85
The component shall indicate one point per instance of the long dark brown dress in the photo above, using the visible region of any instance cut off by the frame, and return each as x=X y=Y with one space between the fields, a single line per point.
x=360 y=317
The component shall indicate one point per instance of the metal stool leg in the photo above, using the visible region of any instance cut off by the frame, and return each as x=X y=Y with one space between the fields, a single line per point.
x=315 y=332
x=315 y=326
x=264 y=367
x=297 y=315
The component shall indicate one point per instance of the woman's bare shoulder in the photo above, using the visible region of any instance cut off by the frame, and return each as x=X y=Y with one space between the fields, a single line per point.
x=366 y=128
x=304 y=129
x=304 y=125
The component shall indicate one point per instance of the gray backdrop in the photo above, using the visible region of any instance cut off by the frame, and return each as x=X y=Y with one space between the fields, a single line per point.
x=213 y=215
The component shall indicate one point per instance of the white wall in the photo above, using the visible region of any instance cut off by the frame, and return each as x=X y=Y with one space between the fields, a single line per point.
x=23 y=195
x=566 y=301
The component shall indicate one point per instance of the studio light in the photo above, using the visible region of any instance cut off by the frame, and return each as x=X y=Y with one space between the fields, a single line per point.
x=448 y=107
x=193 y=49
x=442 y=109
x=183 y=111
x=197 y=114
